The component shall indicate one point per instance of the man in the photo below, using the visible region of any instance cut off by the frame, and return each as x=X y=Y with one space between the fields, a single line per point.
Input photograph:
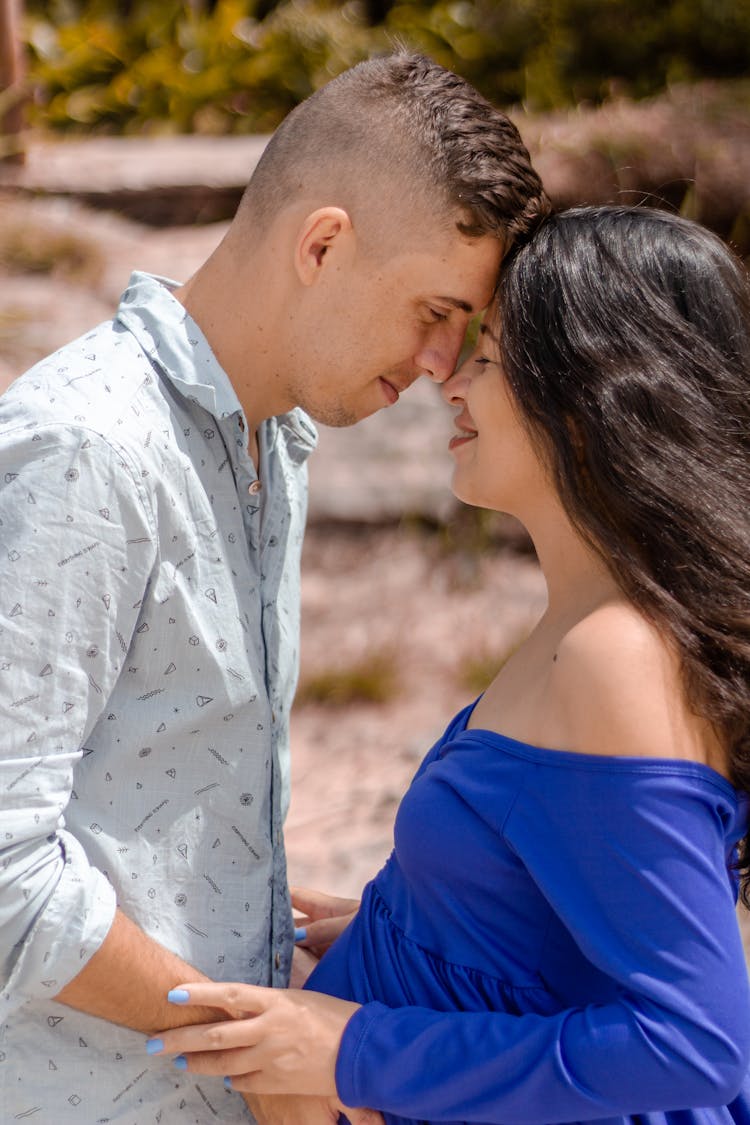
x=152 y=497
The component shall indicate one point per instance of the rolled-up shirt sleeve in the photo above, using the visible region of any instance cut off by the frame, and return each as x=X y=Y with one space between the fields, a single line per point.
x=77 y=550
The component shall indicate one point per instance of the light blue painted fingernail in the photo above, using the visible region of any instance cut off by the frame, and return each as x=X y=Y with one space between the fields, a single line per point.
x=178 y=996
x=153 y=1046
x=180 y=1062
x=228 y=1083
x=300 y=933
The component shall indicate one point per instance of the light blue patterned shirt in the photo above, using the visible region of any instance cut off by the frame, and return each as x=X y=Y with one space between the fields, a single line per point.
x=149 y=617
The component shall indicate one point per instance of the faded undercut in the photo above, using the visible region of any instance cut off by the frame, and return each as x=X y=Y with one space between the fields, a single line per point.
x=404 y=133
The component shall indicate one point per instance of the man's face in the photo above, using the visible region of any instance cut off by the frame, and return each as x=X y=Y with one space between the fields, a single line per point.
x=374 y=326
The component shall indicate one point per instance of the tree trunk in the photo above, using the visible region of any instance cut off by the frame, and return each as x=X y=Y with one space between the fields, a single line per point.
x=11 y=86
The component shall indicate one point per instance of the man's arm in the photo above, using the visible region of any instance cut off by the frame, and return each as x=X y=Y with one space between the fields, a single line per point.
x=56 y=908
x=281 y=1109
x=127 y=980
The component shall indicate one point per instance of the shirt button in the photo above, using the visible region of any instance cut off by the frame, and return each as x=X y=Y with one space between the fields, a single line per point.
x=254 y=488
x=277 y=960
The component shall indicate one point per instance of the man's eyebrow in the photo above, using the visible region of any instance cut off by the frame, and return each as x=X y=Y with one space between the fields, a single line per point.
x=457 y=303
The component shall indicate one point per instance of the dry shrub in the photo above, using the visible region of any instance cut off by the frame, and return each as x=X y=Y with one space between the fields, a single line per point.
x=478 y=670
x=687 y=150
x=373 y=678
x=33 y=245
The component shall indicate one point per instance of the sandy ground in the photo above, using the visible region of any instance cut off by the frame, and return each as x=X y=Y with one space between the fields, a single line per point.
x=393 y=596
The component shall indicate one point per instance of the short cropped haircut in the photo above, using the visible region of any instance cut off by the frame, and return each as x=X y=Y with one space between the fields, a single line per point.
x=406 y=130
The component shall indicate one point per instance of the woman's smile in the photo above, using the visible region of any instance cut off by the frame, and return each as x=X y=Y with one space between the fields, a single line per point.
x=466 y=433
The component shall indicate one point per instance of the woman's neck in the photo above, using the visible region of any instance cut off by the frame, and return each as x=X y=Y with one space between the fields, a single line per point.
x=578 y=581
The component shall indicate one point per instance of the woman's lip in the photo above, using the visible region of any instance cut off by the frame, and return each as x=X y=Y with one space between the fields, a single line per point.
x=461 y=439
x=389 y=390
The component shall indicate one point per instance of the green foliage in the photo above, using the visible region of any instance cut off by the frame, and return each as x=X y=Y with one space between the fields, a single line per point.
x=170 y=65
x=240 y=65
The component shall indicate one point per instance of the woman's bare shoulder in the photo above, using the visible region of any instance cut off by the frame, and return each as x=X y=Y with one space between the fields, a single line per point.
x=616 y=688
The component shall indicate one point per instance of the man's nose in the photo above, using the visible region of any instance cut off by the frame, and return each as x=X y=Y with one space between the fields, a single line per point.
x=439 y=356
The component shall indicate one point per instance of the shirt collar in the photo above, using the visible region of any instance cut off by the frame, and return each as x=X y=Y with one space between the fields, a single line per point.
x=175 y=344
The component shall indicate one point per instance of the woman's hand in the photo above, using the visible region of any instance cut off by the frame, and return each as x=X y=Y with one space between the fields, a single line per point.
x=324 y=917
x=303 y=963
x=276 y=1042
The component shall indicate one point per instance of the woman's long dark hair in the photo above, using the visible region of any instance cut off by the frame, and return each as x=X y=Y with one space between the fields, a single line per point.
x=626 y=341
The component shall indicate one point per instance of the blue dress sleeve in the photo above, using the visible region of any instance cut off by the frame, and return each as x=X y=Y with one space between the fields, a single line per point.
x=633 y=862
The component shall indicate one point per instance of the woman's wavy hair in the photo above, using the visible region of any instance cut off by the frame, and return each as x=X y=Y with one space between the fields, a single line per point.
x=626 y=341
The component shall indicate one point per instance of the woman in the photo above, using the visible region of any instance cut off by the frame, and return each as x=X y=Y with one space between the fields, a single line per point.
x=554 y=937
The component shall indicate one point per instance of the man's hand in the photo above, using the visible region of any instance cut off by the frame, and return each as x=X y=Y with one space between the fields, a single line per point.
x=280 y=1109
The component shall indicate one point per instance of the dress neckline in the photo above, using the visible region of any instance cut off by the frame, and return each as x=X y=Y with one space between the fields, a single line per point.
x=598 y=762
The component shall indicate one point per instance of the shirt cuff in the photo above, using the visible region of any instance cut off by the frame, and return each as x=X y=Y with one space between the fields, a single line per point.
x=65 y=934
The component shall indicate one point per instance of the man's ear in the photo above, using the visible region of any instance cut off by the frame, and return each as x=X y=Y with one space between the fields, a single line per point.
x=317 y=235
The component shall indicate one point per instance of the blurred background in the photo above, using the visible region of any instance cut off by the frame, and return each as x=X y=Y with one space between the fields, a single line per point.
x=128 y=129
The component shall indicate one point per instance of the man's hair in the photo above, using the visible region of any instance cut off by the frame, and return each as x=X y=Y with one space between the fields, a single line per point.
x=406 y=132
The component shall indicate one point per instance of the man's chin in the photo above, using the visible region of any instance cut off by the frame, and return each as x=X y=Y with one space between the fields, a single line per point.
x=338 y=418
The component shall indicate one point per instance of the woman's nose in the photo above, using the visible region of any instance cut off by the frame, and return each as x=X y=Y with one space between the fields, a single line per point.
x=454 y=388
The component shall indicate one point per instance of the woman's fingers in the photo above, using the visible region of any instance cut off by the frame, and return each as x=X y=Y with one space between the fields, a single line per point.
x=238 y=999
x=289 y=1045
x=224 y=1064
x=207 y=1039
x=317 y=904
x=322 y=934
x=323 y=918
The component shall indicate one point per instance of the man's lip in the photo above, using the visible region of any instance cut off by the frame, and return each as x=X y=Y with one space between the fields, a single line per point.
x=391 y=392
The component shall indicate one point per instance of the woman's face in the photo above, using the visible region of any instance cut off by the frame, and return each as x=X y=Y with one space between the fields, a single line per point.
x=496 y=465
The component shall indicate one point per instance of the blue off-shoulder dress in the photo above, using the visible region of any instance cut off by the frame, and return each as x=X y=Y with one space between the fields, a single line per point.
x=553 y=939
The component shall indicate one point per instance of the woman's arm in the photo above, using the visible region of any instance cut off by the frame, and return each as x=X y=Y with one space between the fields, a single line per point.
x=638 y=877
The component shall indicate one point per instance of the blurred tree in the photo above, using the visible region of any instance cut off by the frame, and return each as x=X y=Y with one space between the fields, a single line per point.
x=11 y=74
x=376 y=11
x=226 y=65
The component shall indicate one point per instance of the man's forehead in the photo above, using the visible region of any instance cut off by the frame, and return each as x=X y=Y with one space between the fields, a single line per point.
x=451 y=269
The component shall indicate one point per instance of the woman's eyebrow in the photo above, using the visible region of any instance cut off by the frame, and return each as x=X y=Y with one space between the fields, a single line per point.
x=485 y=330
